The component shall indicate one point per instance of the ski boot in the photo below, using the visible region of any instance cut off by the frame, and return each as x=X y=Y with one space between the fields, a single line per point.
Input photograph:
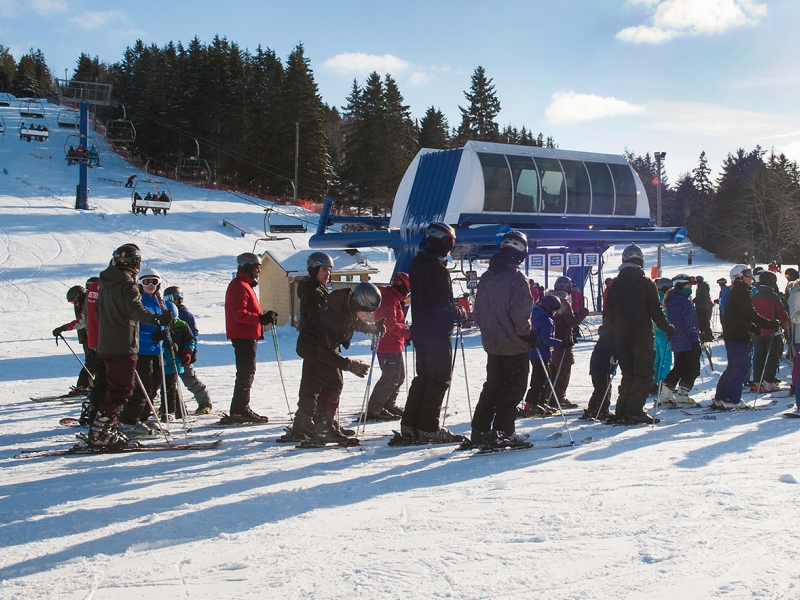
x=667 y=397
x=682 y=399
x=247 y=416
x=104 y=435
x=325 y=433
x=203 y=409
x=440 y=436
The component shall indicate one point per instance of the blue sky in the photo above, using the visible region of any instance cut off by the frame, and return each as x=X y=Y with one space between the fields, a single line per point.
x=679 y=76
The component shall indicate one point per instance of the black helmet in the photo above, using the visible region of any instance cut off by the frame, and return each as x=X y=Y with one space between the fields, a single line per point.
x=663 y=283
x=127 y=256
x=791 y=274
x=517 y=242
x=366 y=297
x=75 y=293
x=767 y=278
x=246 y=259
x=318 y=259
x=550 y=303
x=563 y=283
x=633 y=254
x=441 y=238
x=173 y=294
x=91 y=280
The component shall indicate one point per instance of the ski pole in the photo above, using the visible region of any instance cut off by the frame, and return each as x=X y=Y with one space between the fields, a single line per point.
x=362 y=417
x=550 y=382
x=177 y=389
x=555 y=379
x=763 y=369
x=91 y=377
x=152 y=408
x=280 y=368
x=405 y=360
x=608 y=389
x=449 y=387
x=464 y=359
x=667 y=348
x=163 y=384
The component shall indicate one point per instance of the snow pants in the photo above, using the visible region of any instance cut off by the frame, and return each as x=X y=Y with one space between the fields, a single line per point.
x=91 y=358
x=387 y=389
x=601 y=395
x=539 y=390
x=561 y=372
x=767 y=353
x=172 y=406
x=321 y=388
x=663 y=360
x=729 y=386
x=195 y=386
x=506 y=380
x=120 y=375
x=686 y=369
x=434 y=372
x=98 y=391
x=636 y=361
x=245 y=355
x=137 y=409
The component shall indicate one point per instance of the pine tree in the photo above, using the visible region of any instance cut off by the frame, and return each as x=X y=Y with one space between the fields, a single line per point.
x=478 y=119
x=7 y=69
x=32 y=76
x=434 y=130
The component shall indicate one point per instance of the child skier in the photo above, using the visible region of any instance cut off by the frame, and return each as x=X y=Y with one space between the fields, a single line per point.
x=602 y=365
x=685 y=344
x=183 y=347
x=536 y=404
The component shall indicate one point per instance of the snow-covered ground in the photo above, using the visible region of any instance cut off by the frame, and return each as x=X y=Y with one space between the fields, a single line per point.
x=692 y=508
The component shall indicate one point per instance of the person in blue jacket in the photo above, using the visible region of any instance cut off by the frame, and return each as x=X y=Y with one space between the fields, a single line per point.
x=183 y=347
x=536 y=400
x=685 y=345
x=134 y=415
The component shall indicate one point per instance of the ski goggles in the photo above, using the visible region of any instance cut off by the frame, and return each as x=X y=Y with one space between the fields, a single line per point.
x=173 y=297
x=150 y=282
x=747 y=273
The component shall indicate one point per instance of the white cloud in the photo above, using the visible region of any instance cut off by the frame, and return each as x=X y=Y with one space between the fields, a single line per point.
x=13 y=9
x=711 y=120
x=568 y=108
x=91 y=20
x=682 y=17
x=359 y=64
x=47 y=7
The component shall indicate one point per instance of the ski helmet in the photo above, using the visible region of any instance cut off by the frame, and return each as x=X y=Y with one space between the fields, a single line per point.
x=75 y=293
x=149 y=274
x=516 y=241
x=401 y=279
x=550 y=303
x=722 y=281
x=767 y=278
x=663 y=283
x=633 y=254
x=318 y=259
x=563 y=283
x=127 y=256
x=699 y=279
x=441 y=238
x=173 y=309
x=791 y=274
x=739 y=271
x=246 y=259
x=366 y=297
x=681 y=279
x=173 y=294
x=91 y=280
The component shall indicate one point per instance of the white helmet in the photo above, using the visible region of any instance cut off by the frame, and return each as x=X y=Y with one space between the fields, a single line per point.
x=738 y=271
x=149 y=274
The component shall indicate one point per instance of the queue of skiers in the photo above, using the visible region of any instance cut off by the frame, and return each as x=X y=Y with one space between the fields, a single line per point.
x=138 y=342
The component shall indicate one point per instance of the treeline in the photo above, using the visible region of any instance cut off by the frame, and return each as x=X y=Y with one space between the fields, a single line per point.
x=753 y=206
x=28 y=77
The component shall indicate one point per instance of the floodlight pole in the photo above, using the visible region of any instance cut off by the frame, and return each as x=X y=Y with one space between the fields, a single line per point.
x=82 y=199
x=659 y=157
x=296 y=156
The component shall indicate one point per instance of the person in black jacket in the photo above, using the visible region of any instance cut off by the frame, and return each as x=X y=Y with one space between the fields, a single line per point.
x=702 y=306
x=602 y=365
x=633 y=307
x=433 y=313
x=740 y=316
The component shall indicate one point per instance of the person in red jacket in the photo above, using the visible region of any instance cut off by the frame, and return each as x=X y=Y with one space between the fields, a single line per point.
x=382 y=403
x=244 y=326
x=89 y=408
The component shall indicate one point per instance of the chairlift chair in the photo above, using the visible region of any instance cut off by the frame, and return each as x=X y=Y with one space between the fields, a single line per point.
x=301 y=226
x=156 y=188
x=30 y=132
x=121 y=130
x=89 y=158
x=193 y=169
x=31 y=109
x=68 y=118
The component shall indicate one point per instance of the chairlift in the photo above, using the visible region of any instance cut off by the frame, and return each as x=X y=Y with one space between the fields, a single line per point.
x=298 y=223
x=153 y=194
x=121 y=130
x=90 y=156
x=193 y=169
x=31 y=109
x=69 y=118
x=34 y=132
x=5 y=99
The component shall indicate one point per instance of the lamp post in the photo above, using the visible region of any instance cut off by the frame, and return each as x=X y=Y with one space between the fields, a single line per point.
x=659 y=157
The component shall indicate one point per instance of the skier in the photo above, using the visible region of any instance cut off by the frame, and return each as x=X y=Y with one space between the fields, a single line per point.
x=702 y=305
x=633 y=307
x=183 y=347
x=689 y=258
x=724 y=290
x=76 y=295
x=565 y=319
x=130 y=181
x=601 y=368
x=89 y=408
x=740 y=316
x=383 y=401
x=536 y=404
x=503 y=312
x=335 y=324
x=189 y=375
x=119 y=312
x=244 y=323
x=433 y=314
x=134 y=416
x=685 y=345
x=312 y=291
x=767 y=345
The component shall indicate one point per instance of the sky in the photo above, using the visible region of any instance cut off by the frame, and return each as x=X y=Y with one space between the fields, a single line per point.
x=674 y=76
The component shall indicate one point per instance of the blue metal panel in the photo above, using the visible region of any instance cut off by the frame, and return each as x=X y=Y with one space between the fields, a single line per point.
x=433 y=184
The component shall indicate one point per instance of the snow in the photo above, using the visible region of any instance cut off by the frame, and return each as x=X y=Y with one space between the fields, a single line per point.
x=692 y=508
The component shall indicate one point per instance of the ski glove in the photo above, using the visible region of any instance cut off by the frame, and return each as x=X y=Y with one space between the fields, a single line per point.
x=165 y=318
x=670 y=331
x=774 y=325
x=159 y=335
x=356 y=367
x=376 y=328
x=58 y=331
x=186 y=358
x=269 y=318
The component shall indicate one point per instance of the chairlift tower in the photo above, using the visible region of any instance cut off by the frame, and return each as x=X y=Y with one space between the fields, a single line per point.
x=84 y=93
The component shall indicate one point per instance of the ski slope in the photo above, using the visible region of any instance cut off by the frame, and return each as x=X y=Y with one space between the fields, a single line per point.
x=692 y=508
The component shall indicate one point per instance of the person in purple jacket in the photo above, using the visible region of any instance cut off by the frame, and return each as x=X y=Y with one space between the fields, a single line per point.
x=685 y=344
x=542 y=323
